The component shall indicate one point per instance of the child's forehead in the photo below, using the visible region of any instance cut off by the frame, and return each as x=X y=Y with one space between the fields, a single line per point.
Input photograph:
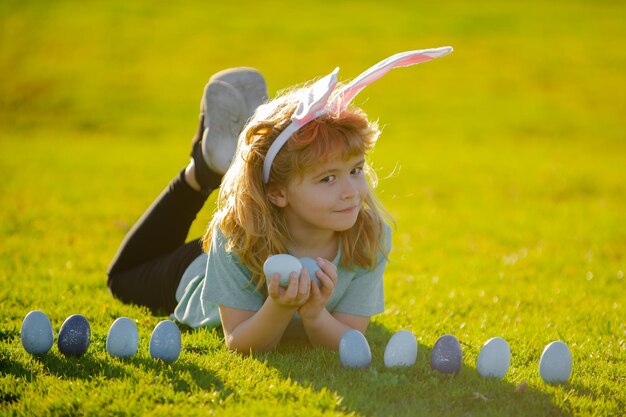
x=335 y=161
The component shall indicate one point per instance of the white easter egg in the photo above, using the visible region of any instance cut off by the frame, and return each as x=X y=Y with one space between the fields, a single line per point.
x=555 y=365
x=401 y=349
x=36 y=333
x=165 y=341
x=354 y=351
x=494 y=358
x=123 y=338
x=282 y=264
x=312 y=267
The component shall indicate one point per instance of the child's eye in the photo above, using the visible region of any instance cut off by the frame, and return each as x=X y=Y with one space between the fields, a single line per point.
x=357 y=171
x=329 y=178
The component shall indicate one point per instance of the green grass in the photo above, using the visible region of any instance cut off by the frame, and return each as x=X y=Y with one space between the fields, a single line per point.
x=503 y=164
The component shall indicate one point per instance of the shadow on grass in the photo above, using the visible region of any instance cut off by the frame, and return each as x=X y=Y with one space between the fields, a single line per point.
x=84 y=367
x=417 y=390
x=180 y=375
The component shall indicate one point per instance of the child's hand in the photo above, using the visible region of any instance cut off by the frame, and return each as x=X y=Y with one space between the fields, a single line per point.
x=320 y=296
x=296 y=293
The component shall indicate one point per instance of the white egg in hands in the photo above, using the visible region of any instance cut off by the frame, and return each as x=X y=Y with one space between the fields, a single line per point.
x=401 y=349
x=165 y=341
x=354 y=351
x=283 y=265
x=123 y=338
x=494 y=358
x=36 y=333
x=555 y=365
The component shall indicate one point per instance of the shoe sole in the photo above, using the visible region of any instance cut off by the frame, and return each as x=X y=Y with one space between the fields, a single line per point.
x=225 y=114
x=248 y=82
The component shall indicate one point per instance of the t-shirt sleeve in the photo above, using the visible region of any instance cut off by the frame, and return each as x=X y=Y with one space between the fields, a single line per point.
x=365 y=294
x=227 y=280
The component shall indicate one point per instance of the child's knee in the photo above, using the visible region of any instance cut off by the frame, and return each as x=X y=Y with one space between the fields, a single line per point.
x=114 y=282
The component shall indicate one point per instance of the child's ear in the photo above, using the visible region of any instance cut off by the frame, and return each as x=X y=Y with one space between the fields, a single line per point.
x=277 y=195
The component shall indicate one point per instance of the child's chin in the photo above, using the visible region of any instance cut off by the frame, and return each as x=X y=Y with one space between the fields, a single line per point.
x=345 y=227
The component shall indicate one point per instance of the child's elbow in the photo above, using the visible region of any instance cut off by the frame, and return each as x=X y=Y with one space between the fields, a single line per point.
x=235 y=345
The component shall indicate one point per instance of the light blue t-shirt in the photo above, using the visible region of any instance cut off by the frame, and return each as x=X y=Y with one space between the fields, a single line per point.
x=219 y=278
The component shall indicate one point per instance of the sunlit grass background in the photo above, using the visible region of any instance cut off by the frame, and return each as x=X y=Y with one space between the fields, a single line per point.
x=503 y=165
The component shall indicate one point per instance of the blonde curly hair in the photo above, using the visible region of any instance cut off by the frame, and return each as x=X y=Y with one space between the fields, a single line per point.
x=253 y=227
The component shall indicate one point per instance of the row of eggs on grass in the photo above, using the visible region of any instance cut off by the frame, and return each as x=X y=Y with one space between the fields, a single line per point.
x=494 y=359
x=75 y=336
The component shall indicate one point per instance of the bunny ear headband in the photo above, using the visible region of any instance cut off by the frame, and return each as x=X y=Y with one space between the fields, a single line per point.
x=316 y=100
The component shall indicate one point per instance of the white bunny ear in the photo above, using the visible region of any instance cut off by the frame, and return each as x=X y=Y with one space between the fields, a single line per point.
x=315 y=99
x=312 y=104
x=402 y=59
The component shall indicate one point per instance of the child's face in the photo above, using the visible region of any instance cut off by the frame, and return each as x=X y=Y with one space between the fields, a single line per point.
x=327 y=198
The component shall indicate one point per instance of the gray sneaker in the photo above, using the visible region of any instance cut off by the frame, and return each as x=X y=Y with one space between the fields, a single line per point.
x=229 y=100
x=248 y=82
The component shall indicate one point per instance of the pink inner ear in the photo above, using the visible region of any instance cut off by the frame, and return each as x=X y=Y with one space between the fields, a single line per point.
x=402 y=59
x=373 y=74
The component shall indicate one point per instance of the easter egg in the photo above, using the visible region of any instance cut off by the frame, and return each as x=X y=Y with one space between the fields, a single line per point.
x=555 y=365
x=165 y=341
x=123 y=338
x=401 y=349
x=283 y=265
x=74 y=336
x=36 y=333
x=311 y=265
x=447 y=356
x=354 y=351
x=494 y=358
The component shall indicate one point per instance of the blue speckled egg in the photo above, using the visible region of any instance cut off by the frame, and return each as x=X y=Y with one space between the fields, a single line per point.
x=283 y=265
x=446 y=356
x=401 y=350
x=494 y=358
x=354 y=351
x=74 y=336
x=555 y=365
x=36 y=334
x=311 y=266
x=165 y=341
x=123 y=338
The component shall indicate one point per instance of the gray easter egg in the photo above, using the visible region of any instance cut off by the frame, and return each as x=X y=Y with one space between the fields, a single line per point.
x=446 y=356
x=123 y=338
x=165 y=342
x=401 y=349
x=494 y=358
x=354 y=351
x=36 y=333
x=311 y=265
x=555 y=365
x=283 y=265
x=74 y=336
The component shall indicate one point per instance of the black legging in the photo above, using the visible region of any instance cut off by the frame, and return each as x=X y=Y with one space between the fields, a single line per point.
x=153 y=256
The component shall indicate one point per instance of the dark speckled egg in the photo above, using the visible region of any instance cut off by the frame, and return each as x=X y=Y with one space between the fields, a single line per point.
x=446 y=356
x=74 y=336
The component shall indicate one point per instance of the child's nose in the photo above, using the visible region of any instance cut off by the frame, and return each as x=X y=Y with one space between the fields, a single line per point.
x=349 y=189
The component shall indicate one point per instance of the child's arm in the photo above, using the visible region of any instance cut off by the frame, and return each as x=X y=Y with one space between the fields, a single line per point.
x=260 y=331
x=322 y=328
x=326 y=329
